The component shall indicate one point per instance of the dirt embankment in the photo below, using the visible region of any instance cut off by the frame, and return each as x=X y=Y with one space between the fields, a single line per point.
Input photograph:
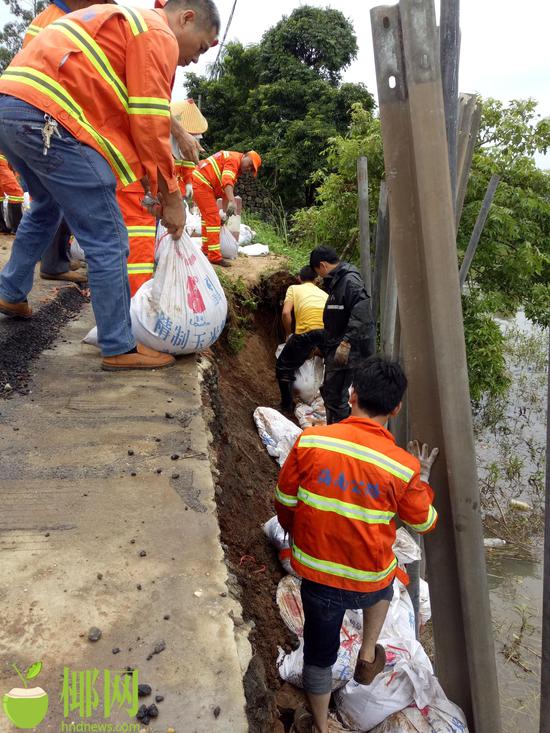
x=236 y=385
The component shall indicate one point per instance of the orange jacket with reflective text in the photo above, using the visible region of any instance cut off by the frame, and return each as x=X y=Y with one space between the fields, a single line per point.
x=338 y=494
x=105 y=73
x=218 y=171
x=9 y=185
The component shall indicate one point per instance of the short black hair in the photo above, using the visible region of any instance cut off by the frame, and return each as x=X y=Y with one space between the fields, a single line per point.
x=380 y=385
x=307 y=274
x=206 y=10
x=323 y=254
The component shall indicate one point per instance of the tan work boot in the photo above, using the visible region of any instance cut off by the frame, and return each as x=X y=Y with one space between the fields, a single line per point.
x=15 y=310
x=365 y=672
x=71 y=277
x=145 y=358
x=223 y=263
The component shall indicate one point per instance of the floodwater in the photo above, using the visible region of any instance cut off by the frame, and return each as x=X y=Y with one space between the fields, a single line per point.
x=511 y=448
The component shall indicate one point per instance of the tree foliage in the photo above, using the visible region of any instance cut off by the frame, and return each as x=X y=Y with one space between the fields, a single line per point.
x=283 y=97
x=11 y=35
x=511 y=269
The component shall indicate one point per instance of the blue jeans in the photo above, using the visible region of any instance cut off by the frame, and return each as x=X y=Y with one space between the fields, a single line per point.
x=324 y=611
x=74 y=181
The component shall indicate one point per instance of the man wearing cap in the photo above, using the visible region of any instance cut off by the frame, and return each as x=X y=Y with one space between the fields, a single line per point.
x=215 y=178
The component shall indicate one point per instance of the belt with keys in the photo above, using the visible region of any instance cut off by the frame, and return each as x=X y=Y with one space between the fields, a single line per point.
x=50 y=128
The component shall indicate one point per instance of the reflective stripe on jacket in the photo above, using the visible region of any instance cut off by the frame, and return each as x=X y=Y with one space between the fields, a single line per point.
x=9 y=185
x=218 y=171
x=338 y=494
x=43 y=19
x=105 y=74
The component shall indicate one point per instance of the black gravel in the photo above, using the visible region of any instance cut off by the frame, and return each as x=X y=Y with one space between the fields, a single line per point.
x=21 y=341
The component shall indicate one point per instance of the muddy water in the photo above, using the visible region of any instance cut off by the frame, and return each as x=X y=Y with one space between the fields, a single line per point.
x=511 y=443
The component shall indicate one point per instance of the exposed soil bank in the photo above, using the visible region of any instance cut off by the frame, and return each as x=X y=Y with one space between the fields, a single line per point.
x=21 y=341
x=235 y=387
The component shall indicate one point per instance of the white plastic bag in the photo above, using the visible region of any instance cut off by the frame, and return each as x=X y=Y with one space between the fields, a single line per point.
x=408 y=678
x=308 y=378
x=254 y=250
x=230 y=248
x=277 y=432
x=246 y=235
x=310 y=415
x=443 y=718
x=77 y=253
x=425 y=608
x=182 y=310
x=405 y=548
x=280 y=540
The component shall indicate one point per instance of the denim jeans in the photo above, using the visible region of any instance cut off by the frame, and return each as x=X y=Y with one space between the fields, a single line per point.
x=74 y=181
x=324 y=610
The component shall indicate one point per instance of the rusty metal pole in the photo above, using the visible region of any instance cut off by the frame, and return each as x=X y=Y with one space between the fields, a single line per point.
x=478 y=229
x=545 y=663
x=423 y=245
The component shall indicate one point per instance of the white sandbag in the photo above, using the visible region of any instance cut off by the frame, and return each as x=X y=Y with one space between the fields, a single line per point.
x=405 y=548
x=444 y=718
x=193 y=225
x=254 y=250
x=310 y=415
x=281 y=541
x=182 y=310
x=76 y=251
x=230 y=248
x=399 y=624
x=246 y=235
x=277 y=432
x=308 y=378
x=408 y=678
x=425 y=608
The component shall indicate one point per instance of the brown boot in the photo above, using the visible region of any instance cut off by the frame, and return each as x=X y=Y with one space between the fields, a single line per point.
x=16 y=310
x=71 y=277
x=365 y=672
x=144 y=358
x=223 y=263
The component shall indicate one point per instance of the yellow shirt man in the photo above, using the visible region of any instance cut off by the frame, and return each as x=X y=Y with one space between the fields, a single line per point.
x=308 y=303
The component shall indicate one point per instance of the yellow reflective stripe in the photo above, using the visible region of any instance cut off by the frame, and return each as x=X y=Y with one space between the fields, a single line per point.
x=425 y=526
x=48 y=86
x=149 y=106
x=135 y=20
x=343 y=508
x=3 y=157
x=184 y=163
x=143 y=268
x=213 y=229
x=361 y=452
x=216 y=167
x=214 y=247
x=135 y=231
x=342 y=571
x=285 y=499
x=202 y=178
x=231 y=174
x=16 y=199
x=95 y=55
x=33 y=30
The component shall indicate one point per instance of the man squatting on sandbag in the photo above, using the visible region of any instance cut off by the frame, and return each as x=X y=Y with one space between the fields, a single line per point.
x=75 y=133
x=337 y=496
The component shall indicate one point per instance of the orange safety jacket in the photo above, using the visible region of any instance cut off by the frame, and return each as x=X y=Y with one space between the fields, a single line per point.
x=338 y=494
x=218 y=171
x=184 y=173
x=9 y=185
x=105 y=73
x=43 y=19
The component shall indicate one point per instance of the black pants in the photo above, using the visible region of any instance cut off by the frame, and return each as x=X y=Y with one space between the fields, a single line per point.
x=57 y=258
x=297 y=350
x=15 y=214
x=335 y=392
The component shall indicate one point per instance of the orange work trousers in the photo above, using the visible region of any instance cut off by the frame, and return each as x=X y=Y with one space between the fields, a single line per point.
x=141 y=228
x=9 y=184
x=210 y=220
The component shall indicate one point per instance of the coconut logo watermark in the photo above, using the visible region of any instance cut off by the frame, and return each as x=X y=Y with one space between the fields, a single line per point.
x=84 y=694
x=26 y=706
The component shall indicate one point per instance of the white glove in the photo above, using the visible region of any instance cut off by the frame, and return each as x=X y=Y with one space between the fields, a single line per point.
x=426 y=458
x=188 y=190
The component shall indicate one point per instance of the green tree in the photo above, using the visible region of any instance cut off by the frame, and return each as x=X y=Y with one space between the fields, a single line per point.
x=284 y=98
x=11 y=35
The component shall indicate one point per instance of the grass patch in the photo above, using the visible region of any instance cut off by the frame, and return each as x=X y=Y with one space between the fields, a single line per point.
x=277 y=239
x=241 y=305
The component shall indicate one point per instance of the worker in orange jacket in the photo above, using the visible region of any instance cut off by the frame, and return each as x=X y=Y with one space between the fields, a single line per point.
x=338 y=495
x=92 y=94
x=9 y=186
x=215 y=178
